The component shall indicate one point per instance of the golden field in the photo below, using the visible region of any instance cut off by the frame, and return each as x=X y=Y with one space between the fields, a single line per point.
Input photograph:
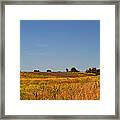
x=59 y=86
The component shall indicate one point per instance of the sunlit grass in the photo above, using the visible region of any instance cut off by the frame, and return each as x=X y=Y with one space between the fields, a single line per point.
x=57 y=88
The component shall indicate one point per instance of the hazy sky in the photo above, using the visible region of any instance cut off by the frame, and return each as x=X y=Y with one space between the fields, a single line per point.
x=59 y=44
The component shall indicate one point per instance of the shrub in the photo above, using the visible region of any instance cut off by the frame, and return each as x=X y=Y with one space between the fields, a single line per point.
x=49 y=71
x=74 y=69
x=36 y=71
x=98 y=72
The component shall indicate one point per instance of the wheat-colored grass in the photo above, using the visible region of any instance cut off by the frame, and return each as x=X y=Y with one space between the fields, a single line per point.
x=63 y=86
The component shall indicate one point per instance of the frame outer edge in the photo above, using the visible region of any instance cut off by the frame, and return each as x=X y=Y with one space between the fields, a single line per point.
x=118 y=60
x=0 y=64
x=2 y=56
x=59 y=2
x=117 y=25
x=2 y=60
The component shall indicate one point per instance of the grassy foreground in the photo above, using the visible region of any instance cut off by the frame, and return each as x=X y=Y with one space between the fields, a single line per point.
x=59 y=86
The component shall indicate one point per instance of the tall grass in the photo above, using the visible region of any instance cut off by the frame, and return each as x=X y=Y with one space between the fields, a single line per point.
x=77 y=88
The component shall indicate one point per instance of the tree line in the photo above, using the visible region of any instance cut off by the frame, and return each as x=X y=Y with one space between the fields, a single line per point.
x=73 y=69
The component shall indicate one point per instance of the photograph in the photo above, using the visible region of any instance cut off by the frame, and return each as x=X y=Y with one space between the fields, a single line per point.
x=59 y=59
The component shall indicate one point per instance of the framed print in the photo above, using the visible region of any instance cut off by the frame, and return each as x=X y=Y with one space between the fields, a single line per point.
x=60 y=59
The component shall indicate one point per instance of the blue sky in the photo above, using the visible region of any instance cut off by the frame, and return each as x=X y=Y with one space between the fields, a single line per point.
x=59 y=44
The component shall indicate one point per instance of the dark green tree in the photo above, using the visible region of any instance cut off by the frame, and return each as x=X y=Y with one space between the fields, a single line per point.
x=36 y=71
x=49 y=71
x=98 y=72
x=90 y=70
x=67 y=70
x=94 y=70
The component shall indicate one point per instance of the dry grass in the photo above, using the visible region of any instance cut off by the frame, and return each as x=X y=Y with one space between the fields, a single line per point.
x=59 y=86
